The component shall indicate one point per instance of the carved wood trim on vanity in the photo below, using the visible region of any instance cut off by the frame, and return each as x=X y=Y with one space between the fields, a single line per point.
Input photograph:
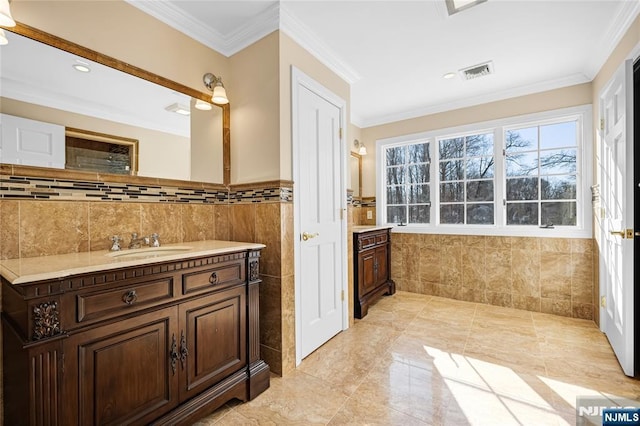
x=60 y=334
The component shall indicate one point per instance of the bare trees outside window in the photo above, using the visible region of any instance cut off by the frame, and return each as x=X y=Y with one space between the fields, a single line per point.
x=408 y=191
x=466 y=172
x=510 y=176
x=541 y=175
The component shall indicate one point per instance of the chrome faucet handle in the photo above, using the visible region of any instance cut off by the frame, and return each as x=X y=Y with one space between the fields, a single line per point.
x=116 y=243
x=155 y=240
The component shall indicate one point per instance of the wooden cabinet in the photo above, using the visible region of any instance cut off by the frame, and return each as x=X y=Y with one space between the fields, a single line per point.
x=371 y=268
x=163 y=343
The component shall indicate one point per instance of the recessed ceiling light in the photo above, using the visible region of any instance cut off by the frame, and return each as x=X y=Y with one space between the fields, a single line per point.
x=449 y=75
x=81 y=66
x=202 y=105
x=178 y=109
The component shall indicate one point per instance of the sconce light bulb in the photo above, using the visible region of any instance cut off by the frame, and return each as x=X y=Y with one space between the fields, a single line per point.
x=6 y=20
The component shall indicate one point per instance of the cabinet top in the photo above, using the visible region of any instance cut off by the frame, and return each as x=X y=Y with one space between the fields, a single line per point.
x=365 y=228
x=31 y=269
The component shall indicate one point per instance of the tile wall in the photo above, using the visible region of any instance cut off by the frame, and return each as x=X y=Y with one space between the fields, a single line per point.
x=550 y=275
x=70 y=218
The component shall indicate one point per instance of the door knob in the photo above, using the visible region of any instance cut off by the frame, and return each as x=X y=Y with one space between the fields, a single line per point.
x=619 y=233
x=307 y=236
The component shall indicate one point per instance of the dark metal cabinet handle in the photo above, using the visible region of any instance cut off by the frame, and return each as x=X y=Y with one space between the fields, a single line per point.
x=184 y=352
x=213 y=279
x=130 y=297
x=173 y=354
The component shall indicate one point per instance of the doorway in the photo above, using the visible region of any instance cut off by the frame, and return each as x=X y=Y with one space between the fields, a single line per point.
x=319 y=170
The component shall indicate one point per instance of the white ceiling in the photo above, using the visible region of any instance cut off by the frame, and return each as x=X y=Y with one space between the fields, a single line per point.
x=394 y=53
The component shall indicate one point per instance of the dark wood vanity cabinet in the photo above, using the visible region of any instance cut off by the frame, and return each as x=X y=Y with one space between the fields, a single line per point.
x=143 y=345
x=371 y=269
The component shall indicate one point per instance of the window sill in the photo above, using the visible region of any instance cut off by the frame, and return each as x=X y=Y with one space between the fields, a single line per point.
x=558 y=232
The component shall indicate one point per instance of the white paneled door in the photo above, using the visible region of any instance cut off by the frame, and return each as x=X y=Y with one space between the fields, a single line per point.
x=616 y=260
x=319 y=204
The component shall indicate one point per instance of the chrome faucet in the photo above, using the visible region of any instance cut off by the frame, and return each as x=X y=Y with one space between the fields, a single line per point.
x=152 y=241
x=116 y=243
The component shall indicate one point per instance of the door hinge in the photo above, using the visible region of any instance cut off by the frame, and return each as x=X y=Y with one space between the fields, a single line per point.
x=340 y=132
x=504 y=152
x=603 y=301
x=342 y=295
x=602 y=124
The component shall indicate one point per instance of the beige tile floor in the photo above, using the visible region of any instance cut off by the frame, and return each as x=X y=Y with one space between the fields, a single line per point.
x=423 y=360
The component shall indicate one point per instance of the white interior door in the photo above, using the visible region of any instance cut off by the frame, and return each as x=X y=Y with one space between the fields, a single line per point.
x=319 y=201
x=616 y=260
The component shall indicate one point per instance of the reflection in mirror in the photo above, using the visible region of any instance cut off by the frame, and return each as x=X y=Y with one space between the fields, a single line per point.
x=51 y=86
x=355 y=167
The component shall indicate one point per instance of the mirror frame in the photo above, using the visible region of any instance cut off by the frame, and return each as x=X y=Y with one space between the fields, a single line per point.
x=92 y=55
x=359 y=157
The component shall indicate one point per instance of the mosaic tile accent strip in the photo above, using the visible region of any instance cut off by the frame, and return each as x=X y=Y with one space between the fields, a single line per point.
x=261 y=195
x=368 y=202
x=41 y=188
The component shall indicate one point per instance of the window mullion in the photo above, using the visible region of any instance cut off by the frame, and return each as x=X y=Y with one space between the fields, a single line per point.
x=500 y=180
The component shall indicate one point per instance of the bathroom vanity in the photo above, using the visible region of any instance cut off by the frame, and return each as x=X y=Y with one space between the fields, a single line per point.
x=150 y=336
x=371 y=266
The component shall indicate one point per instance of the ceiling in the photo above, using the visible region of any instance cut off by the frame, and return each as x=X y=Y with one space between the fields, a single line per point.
x=395 y=53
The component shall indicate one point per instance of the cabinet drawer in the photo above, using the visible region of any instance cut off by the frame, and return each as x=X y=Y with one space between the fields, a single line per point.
x=110 y=303
x=366 y=242
x=382 y=238
x=214 y=278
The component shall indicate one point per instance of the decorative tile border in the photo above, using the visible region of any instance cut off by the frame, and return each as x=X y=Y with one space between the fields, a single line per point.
x=43 y=188
x=368 y=201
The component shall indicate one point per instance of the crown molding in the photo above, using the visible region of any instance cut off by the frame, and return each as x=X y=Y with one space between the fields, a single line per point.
x=263 y=24
x=571 y=80
x=302 y=35
x=251 y=31
x=627 y=13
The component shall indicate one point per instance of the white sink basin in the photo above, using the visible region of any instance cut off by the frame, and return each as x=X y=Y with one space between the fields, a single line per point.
x=148 y=252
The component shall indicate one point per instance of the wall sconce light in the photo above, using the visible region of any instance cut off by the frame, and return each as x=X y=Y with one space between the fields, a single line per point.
x=362 y=150
x=214 y=84
x=6 y=20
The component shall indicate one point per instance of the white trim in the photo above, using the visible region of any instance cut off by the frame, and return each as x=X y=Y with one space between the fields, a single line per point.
x=529 y=89
x=627 y=13
x=300 y=79
x=301 y=34
x=584 y=212
x=227 y=44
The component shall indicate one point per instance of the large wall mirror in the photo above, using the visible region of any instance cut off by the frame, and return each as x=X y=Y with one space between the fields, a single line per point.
x=42 y=80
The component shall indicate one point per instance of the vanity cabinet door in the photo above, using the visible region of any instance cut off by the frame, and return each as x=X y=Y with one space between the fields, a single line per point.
x=122 y=373
x=382 y=274
x=368 y=271
x=214 y=332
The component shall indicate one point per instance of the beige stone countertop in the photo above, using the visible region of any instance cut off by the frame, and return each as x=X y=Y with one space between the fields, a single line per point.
x=30 y=269
x=368 y=228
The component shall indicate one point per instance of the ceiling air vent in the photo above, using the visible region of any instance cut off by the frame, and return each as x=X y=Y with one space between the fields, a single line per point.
x=477 y=71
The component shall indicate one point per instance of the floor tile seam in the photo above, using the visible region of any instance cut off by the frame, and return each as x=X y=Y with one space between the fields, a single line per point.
x=466 y=340
x=344 y=403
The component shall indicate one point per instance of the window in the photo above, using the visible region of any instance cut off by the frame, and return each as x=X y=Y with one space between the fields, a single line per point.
x=408 y=197
x=541 y=174
x=517 y=176
x=466 y=172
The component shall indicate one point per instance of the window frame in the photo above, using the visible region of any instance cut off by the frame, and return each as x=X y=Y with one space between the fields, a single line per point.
x=584 y=175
